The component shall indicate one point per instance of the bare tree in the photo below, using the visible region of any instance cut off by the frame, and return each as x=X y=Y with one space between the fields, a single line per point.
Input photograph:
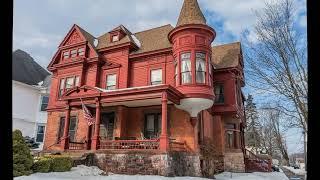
x=276 y=62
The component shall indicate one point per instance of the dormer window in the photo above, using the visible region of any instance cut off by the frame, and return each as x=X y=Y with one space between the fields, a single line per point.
x=73 y=53
x=115 y=38
x=81 y=51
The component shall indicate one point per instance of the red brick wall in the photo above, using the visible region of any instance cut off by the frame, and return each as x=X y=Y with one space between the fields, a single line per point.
x=140 y=70
x=53 y=128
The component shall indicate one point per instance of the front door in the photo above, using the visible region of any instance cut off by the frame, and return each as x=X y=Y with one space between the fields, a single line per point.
x=107 y=126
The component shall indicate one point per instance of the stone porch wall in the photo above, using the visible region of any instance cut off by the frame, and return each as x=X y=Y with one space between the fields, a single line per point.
x=170 y=164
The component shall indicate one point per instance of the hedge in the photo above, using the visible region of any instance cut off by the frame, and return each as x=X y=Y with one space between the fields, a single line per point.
x=43 y=165
x=22 y=158
x=53 y=163
x=61 y=164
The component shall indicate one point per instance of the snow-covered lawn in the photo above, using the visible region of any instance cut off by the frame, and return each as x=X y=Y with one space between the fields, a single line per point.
x=82 y=172
x=296 y=171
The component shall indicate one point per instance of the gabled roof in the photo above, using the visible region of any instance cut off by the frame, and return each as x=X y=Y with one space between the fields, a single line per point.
x=226 y=55
x=87 y=36
x=104 y=40
x=154 y=39
x=191 y=13
x=90 y=38
x=26 y=70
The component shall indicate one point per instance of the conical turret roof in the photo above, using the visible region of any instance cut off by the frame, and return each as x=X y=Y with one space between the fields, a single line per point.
x=191 y=13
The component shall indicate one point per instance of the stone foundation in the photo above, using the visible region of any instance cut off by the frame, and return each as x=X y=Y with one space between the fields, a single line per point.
x=171 y=164
x=234 y=162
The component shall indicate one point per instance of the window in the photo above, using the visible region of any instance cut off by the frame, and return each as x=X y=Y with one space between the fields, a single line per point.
x=115 y=38
x=201 y=67
x=44 y=103
x=68 y=83
x=186 y=68
x=152 y=125
x=219 y=92
x=176 y=72
x=61 y=89
x=72 y=128
x=111 y=81
x=73 y=53
x=66 y=55
x=40 y=133
x=156 y=76
x=230 y=135
x=210 y=72
x=81 y=51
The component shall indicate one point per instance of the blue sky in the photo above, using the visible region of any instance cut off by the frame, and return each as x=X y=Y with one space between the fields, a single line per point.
x=40 y=26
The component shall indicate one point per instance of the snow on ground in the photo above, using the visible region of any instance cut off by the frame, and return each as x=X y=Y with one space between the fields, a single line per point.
x=82 y=172
x=296 y=171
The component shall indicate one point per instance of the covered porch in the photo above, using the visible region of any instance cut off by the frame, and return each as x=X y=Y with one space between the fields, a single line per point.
x=125 y=119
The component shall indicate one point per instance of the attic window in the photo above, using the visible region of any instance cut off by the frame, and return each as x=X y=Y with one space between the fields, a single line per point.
x=66 y=55
x=81 y=51
x=115 y=38
x=73 y=53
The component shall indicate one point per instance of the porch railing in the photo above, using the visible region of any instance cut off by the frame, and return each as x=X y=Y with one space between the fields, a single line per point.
x=129 y=144
x=77 y=145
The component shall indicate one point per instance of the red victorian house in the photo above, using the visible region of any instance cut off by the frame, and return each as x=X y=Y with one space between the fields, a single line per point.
x=152 y=93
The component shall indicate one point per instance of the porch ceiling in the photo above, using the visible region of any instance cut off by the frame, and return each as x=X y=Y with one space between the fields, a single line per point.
x=134 y=103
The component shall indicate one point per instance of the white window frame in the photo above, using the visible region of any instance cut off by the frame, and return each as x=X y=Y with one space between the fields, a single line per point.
x=151 y=77
x=44 y=132
x=41 y=102
x=108 y=85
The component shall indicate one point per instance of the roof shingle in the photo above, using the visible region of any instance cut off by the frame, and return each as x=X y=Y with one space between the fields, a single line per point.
x=191 y=13
x=226 y=55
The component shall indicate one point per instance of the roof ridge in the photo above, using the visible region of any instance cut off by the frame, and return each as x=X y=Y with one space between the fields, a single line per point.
x=153 y=28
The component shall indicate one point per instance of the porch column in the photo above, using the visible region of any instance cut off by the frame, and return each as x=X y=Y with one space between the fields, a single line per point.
x=164 y=141
x=95 y=139
x=65 y=138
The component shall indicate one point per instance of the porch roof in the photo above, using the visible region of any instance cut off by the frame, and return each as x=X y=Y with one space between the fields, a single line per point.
x=140 y=96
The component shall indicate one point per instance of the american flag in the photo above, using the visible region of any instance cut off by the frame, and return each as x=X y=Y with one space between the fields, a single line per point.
x=87 y=115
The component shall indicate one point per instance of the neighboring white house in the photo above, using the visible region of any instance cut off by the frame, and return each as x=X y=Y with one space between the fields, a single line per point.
x=29 y=103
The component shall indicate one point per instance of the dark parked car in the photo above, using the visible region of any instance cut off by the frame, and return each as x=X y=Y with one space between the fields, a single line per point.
x=275 y=168
x=295 y=166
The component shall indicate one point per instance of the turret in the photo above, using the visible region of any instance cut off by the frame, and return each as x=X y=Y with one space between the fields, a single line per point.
x=191 y=39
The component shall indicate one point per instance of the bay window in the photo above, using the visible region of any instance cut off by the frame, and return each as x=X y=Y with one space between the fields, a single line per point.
x=186 y=75
x=156 y=76
x=111 y=81
x=200 y=67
